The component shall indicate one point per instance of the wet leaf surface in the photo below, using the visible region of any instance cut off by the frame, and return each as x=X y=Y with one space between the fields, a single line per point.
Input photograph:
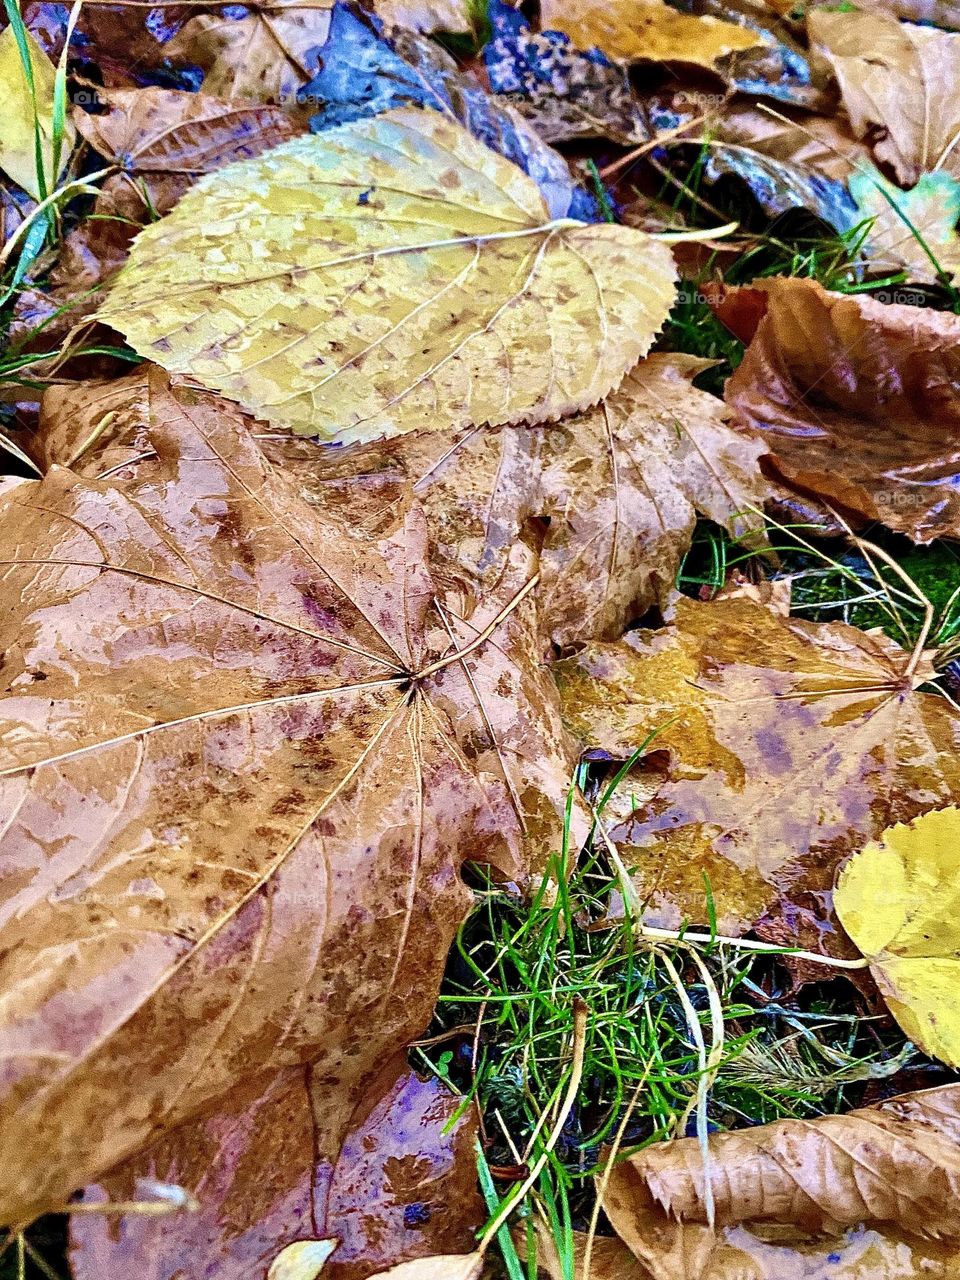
x=450 y=296
x=276 y=793
x=862 y=1196
x=385 y=1180
x=855 y=399
x=748 y=708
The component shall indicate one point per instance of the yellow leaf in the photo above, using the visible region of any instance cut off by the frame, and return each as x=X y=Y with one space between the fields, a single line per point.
x=447 y=1266
x=302 y=1260
x=388 y=275
x=18 y=156
x=899 y=900
x=647 y=30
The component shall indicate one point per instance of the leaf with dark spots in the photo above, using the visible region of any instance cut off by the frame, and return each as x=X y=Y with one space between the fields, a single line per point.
x=192 y=719
x=746 y=708
x=365 y=70
x=564 y=93
x=855 y=399
x=617 y=489
x=384 y=1175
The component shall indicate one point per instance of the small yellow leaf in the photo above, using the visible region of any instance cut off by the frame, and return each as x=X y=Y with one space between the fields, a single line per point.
x=899 y=900
x=389 y=275
x=447 y=1266
x=18 y=156
x=302 y=1260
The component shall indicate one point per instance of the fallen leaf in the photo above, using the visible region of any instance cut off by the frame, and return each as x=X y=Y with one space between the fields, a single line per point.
x=863 y=1196
x=893 y=74
x=563 y=92
x=747 y=708
x=388 y=1174
x=25 y=114
x=617 y=488
x=781 y=185
x=896 y=899
x=448 y=1267
x=120 y=45
x=915 y=229
x=822 y=144
x=938 y=13
x=149 y=132
x=414 y=278
x=854 y=398
x=610 y=1259
x=243 y=764
x=427 y=15
x=648 y=30
x=363 y=72
x=302 y=1260
x=778 y=65
x=263 y=51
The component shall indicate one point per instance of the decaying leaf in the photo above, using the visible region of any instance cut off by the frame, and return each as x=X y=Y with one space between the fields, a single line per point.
x=364 y=71
x=897 y=900
x=263 y=51
x=915 y=229
x=855 y=398
x=25 y=111
x=242 y=763
x=894 y=74
x=780 y=746
x=381 y=1174
x=648 y=30
x=159 y=134
x=618 y=488
x=426 y=15
x=610 y=1259
x=391 y=274
x=860 y=1196
x=564 y=92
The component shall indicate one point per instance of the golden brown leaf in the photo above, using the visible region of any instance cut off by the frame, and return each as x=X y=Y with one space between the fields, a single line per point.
x=865 y=1196
x=391 y=274
x=894 y=74
x=855 y=399
x=781 y=746
x=648 y=30
x=379 y=1173
x=620 y=486
x=242 y=763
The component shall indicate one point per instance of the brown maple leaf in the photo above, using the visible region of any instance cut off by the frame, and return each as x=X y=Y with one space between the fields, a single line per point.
x=244 y=754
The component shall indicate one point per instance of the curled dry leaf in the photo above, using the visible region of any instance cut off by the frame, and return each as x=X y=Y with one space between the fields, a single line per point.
x=749 y=707
x=243 y=764
x=861 y=1196
x=893 y=74
x=648 y=30
x=897 y=898
x=26 y=113
x=618 y=488
x=387 y=1173
x=856 y=400
x=391 y=274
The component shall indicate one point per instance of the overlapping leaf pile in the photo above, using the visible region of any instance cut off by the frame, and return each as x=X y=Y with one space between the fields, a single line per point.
x=324 y=600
